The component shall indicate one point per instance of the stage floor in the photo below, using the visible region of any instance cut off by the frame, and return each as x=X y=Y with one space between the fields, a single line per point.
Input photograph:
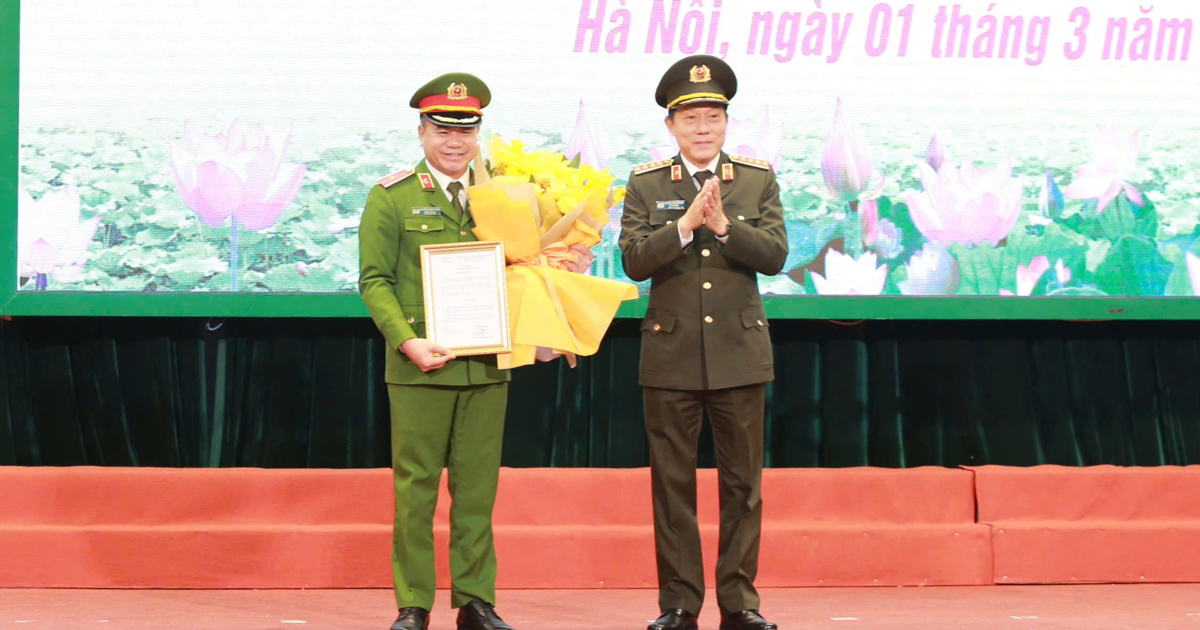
x=1100 y=607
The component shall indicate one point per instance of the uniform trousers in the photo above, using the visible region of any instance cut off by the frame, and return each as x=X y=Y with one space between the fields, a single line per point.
x=460 y=429
x=673 y=421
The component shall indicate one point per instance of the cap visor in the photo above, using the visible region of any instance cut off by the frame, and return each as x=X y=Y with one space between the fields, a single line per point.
x=453 y=120
x=694 y=101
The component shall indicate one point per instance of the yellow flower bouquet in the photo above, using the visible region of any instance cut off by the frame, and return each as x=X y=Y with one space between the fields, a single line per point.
x=540 y=205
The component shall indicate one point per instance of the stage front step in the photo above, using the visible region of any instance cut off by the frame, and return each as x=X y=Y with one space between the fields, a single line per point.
x=554 y=528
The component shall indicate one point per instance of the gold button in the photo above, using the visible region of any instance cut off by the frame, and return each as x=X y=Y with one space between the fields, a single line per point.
x=412 y=320
x=657 y=328
x=708 y=319
x=424 y=227
x=669 y=222
x=741 y=218
x=760 y=322
x=462 y=233
x=707 y=286
x=705 y=253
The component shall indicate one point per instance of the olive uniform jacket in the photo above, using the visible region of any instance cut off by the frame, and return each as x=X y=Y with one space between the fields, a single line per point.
x=406 y=210
x=705 y=327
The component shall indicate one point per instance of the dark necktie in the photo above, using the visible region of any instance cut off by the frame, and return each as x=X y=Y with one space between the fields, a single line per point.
x=455 y=189
x=702 y=176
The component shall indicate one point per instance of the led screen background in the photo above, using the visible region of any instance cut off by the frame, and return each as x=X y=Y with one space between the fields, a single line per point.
x=1065 y=172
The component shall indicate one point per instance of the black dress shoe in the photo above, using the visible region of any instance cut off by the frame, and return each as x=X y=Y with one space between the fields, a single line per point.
x=412 y=619
x=480 y=615
x=674 y=619
x=746 y=620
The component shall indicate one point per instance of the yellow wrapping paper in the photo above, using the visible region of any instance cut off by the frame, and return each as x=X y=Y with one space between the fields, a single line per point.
x=549 y=307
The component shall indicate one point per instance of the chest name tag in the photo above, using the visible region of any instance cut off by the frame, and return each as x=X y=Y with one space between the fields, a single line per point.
x=675 y=204
x=427 y=212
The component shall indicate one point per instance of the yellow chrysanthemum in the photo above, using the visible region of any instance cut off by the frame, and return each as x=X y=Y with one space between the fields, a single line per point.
x=567 y=186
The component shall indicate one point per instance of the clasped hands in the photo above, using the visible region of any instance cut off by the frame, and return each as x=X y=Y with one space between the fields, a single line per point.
x=707 y=209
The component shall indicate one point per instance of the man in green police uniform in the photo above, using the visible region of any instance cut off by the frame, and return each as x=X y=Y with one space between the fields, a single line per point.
x=446 y=412
x=700 y=226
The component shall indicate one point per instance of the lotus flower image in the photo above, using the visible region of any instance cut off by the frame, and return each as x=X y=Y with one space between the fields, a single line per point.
x=1050 y=199
x=1062 y=273
x=880 y=235
x=755 y=137
x=51 y=239
x=935 y=155
x=1028 y=277
x=1193 y=267
x=966 y=205
x=846 y=163
x=235 y=175
x=844 y=275
x=1114 y=157
x=586 y=143
x=931 y=271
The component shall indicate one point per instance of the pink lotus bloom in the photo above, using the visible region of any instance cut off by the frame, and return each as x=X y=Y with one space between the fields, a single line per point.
x=966 y=205
x=755 y=137
x=880 y=235
x=301 y=268
x=585 y=142
x=931 y=271
x=232 y=175
x=935 y=155
x=51 y=240
x=1193 y=267
x=846 y=164
x=846 y=276
x=1062 y=273
x=1114 y=158
x=1028 y=277
x=868 y=211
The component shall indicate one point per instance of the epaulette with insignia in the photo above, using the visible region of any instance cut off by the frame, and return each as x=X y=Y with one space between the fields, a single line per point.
x=390 y=180
x=651 y=166
x=749 y=161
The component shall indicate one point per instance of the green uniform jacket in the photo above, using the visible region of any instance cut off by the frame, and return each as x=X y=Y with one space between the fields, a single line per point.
x=397 y=221
x=705 y=327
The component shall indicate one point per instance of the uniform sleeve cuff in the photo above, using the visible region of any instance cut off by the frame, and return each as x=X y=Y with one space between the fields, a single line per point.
x=684 y=241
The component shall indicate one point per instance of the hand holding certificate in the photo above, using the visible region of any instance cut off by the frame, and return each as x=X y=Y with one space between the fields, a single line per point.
x=466 y=297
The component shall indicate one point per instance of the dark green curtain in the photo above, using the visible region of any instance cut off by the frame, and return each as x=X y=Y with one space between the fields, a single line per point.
x=309 y=393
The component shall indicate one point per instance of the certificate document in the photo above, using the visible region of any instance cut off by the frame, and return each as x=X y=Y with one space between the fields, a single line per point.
x=466 y=297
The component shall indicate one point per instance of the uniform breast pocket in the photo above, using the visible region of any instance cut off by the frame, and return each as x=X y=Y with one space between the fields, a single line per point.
x=660 y=218
x=748 y=215
x=424 y=224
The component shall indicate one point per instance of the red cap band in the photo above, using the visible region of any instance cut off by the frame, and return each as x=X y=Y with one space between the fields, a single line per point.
x=443 y=103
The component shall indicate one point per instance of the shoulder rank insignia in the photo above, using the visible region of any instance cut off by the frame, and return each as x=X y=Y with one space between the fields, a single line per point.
x=748 y=161
x=426 y=181
x=727 y=172
x=651 y=166
x=394 y=178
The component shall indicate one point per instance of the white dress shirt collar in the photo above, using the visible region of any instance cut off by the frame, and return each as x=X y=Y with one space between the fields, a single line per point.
x=444 y=180
x=692 y=169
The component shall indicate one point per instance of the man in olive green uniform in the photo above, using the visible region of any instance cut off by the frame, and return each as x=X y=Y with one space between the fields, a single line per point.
x=700 y=226
x=445 y=411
